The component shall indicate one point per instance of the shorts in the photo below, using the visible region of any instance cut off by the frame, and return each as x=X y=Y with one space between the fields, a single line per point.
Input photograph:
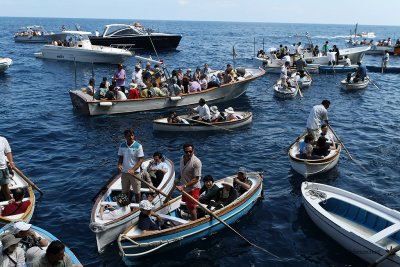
x=4 y=176
x=195 y=193
x=128 y=180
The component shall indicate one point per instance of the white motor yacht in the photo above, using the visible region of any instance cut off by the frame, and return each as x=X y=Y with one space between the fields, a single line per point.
x=76 y=46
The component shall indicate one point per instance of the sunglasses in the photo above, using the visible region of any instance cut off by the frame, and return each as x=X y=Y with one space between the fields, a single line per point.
x=188 y=151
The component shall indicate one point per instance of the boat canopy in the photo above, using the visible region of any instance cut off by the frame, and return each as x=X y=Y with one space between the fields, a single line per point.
x=122 y=30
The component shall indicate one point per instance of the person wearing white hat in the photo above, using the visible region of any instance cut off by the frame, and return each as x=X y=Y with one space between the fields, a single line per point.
x=215 y=114
x=230 y=114
x=28 y=237
x=146 y=223
x=11 y=255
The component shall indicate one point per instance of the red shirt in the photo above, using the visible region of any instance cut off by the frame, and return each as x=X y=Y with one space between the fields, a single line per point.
x=15 y=208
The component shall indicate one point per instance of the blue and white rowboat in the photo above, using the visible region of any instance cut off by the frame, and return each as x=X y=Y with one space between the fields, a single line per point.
x=133 y=244
x=362 y=226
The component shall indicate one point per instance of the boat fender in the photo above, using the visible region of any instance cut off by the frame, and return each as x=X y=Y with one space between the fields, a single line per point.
x=175 y=98
x=105 y=104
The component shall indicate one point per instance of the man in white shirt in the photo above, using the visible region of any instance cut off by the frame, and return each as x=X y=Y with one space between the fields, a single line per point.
x=348 y=61
x=318 y=114
x=5 y=155
x=203 y=110
x=130 y=158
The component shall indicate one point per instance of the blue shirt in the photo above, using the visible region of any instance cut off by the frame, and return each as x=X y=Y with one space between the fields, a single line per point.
x=146 y=223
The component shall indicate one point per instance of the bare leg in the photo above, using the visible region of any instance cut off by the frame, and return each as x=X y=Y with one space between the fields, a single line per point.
x=5 y=190
x=193 y=213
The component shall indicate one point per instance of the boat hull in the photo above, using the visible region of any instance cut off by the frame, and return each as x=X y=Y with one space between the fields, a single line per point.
x=163 y=125
x=83 y=55
x=32 y=39
x=162 y=41
x=225 y=92
x=347 y=238
x=337 y=69
x=354 y=86
x=383 y=70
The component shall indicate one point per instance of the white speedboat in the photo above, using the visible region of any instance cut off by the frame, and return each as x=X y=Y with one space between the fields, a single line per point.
x=32 y=34
x=367 y=229
x=76 y=46
x=5 y=63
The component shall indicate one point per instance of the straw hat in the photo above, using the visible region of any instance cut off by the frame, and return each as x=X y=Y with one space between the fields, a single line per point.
x=229 y=110
x=146 y=205
x=9 y=240
x=228 y=181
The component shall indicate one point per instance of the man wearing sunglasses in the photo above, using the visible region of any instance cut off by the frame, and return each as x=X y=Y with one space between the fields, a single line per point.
x=190 y=173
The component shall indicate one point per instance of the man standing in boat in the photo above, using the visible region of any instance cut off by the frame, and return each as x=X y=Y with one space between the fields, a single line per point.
x=5 y=155
x=318 y=114
x=119 y=78
x=130 y=158
x=190 y=173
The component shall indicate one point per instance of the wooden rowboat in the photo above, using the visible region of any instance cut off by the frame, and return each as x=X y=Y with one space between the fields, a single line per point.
x=308 y=167
x=19 y=180
x=191 y=125
x=284 y=92
x=133 y=244
x=108 y=230
x=355 y=86
x=362 y=226
x=9 y=228
x=87 y=104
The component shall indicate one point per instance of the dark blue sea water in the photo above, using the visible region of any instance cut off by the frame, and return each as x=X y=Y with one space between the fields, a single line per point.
x=70 y=156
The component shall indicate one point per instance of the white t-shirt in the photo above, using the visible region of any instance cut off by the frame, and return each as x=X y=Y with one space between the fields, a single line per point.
x=4 y=149
x=283 y=72
x=131 y=155
x=317 y=114
x=331 y=56
x=286 y=58
x=121 y=95
x=153 y=166
x=204 y=111
x=348 y=62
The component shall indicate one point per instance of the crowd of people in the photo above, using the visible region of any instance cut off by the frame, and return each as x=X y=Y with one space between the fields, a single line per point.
x=130 y=161
x=156 y=82
x=23 y=247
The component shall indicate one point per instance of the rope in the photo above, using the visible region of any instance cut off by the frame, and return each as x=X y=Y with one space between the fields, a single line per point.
x=316 y=194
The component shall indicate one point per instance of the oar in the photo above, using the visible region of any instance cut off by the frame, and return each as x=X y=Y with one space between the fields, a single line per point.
x=345 y=148
x=374 y=84
x=224 y=223
x=309 y=75
x=298 y=87
x=391 y=252
x=210 y=124
x=28 y=180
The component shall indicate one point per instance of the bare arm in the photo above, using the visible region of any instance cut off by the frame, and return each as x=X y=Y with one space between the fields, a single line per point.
x=137 y=165
x=120 y=160
x=10 y=159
